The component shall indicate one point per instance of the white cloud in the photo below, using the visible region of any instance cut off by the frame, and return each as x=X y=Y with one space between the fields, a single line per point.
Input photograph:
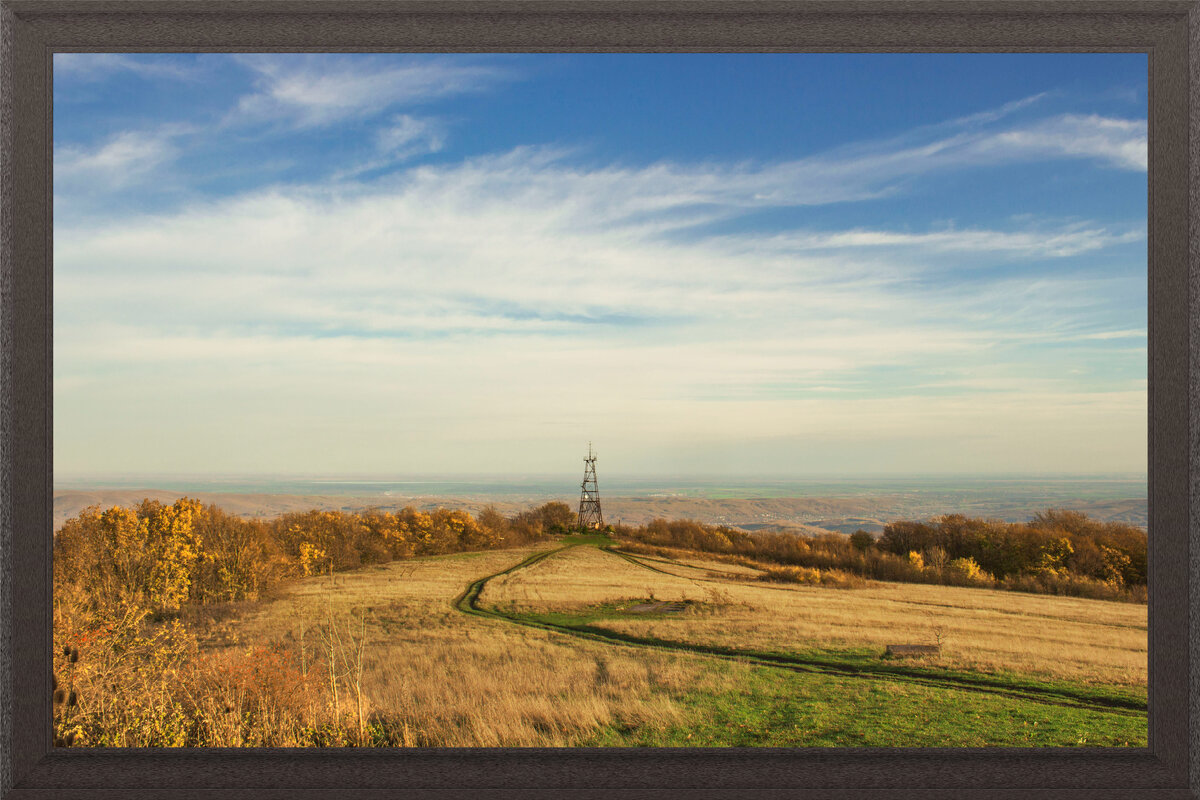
x=522 y=244
x=119 y=161
x=547 y=289
x=1069 y=240
x=304 y=92
x=845 y=174
x=406 y=135
x=993 y=114
x=1117 y=143
x=500 y=298
x=403 y=138
x=311 y=91
x=1121 y=143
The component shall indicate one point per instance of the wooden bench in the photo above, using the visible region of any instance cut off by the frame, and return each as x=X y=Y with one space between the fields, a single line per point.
x=912 y=650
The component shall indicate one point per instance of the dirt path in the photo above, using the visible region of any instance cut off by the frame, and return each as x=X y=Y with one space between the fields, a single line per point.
x=468 y=603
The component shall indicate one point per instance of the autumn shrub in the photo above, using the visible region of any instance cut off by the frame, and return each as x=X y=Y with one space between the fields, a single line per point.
x=1061 y=552
x=832 y=578
x=1068 y=583
x=1053 y=540
x=124 y=679
x=965 y=572
x=128 y=670
x=841 y=579
x=255 y=697
x=791 y=575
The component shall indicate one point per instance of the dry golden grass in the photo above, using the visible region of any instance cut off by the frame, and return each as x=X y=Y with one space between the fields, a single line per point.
x=1065 y=637
x=584 y=576
x=435 y=676
x=698 y=567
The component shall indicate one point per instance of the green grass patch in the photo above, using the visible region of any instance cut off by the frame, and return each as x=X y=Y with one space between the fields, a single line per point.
x=850 y=697
x=855 y=663
x=775 y=708
x=860 y=663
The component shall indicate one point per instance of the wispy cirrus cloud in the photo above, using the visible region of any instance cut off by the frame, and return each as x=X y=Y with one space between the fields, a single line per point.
x=853 y=173
x=1120 y=143
x=404 y=137
x=1111 y=142
x=294 y=92
x=503 y=246
x=1042 y=242
x=990 y=114
x=307 y=91
x=120 y=160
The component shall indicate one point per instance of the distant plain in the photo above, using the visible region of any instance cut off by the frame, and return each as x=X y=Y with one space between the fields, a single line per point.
x=801 y=505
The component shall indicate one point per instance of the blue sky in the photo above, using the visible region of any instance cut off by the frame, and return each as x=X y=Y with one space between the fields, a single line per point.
x=778 y=265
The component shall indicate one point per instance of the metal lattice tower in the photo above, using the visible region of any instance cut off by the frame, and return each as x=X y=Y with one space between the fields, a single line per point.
x=590 y=516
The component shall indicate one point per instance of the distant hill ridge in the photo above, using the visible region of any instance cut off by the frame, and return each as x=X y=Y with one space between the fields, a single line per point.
x=798 y=514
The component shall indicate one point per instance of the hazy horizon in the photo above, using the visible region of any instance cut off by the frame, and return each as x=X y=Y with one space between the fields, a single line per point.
x=824 y=266
x=394 y=476
x=607 y=480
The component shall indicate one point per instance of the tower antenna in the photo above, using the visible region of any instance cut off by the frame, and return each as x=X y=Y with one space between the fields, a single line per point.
x=590 y=515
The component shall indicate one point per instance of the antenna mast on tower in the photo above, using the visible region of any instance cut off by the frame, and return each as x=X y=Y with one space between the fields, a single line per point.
x=590 y=516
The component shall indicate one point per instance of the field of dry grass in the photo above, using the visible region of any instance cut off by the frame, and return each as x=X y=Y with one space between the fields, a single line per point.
x=434 y=676
x=1062 y=637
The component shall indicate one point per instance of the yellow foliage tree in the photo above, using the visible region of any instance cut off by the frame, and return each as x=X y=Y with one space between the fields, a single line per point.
x=313 y=560
x=174 y=547
x=123 y=569
x=969 y=569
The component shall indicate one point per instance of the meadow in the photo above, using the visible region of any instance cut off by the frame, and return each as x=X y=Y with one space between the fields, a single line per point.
x=977 y=629
x=572 y=640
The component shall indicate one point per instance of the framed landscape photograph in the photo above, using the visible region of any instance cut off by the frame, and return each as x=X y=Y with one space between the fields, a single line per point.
x=534 y=397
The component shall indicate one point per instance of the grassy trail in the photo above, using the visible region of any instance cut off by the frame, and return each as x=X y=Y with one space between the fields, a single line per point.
x=851 y=664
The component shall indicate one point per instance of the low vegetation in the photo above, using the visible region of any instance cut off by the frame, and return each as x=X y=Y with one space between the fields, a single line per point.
x=180 y=625
x=1060 y=638
x=1058 y=552
x=130 y=673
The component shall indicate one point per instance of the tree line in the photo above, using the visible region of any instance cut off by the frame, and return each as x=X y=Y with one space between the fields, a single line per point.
x=161 y=557
x=1057 y=552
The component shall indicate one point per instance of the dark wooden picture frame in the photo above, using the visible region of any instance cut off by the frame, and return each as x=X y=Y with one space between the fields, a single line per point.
x=32 y=30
